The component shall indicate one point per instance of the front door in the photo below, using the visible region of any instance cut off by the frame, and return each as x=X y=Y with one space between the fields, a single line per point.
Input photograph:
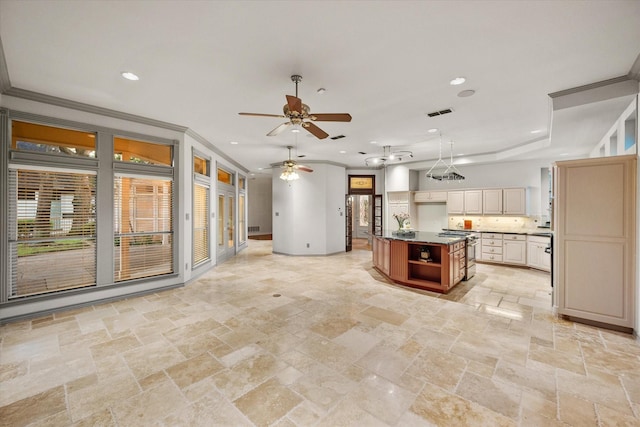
x=226 y=225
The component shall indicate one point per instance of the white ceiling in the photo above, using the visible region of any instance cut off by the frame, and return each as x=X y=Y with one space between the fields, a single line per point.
x=387 y=63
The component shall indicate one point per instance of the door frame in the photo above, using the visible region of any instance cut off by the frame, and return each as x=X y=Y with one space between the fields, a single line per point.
x=361 y=185
x=223 y=250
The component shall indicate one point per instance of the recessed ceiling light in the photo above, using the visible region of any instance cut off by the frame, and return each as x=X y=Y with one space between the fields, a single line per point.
x=343 y=152
x=536 y=131
x=260 y=169
x=466 y=93
x=129 y=75
x=564 y=154
x=457 y=81
x=321 y=91
x=234 y=143
x=373 y=142
x=433 y=130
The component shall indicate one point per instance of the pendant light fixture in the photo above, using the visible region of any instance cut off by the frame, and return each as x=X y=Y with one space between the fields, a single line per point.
x=440 y=171
x=388 y=156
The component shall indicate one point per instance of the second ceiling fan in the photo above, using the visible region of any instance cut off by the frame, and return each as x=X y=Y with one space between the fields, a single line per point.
x=299 y=114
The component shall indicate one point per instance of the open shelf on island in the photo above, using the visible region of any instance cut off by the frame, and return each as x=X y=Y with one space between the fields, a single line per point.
x=408 y=263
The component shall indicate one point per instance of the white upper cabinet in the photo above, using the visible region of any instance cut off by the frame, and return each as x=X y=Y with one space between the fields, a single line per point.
x=492 y=202
x=473 y=202
x=514 y=201
x=430 y=196
x=455 y=202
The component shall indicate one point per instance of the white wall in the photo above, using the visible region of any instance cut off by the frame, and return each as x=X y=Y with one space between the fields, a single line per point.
x=259 y=194
x=401 y=178
x=310 y=211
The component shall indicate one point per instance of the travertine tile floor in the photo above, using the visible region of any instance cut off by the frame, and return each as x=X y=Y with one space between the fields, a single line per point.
x=338 y=346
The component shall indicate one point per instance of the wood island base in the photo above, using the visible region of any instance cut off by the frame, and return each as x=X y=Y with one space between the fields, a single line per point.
x=399 y=260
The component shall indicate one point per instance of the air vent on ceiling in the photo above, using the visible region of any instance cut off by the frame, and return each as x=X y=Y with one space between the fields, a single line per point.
x=337 y=137
x=440 y=113
x=361 y=152
x=301 y=156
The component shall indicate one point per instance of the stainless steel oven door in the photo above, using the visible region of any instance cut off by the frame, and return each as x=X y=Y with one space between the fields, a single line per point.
x=470 y=270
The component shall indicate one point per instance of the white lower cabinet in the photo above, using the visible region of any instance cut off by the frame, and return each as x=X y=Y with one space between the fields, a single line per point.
x=491 y=247
x=514 y=249
x=536 y=255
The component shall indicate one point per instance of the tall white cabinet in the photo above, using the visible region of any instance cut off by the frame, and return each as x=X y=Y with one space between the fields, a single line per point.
x=594 y=244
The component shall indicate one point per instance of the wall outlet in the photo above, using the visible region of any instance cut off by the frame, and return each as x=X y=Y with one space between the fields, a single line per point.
x=186 y=266
x=307 y=245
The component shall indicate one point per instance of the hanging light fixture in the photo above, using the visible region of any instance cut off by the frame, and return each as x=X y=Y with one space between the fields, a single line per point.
x=387 y=156
x=450 y=173
x=289 y=174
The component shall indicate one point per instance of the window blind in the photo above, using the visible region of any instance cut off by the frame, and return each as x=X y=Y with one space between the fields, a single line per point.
x=143 y=227
x=200 y=223
x=52 y=240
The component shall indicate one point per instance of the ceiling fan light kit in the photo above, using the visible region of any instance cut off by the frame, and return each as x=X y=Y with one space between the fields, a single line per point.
x=299 y=115
x=289 y=168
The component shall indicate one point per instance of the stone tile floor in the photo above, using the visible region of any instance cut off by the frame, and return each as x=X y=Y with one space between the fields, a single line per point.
x=266 y=339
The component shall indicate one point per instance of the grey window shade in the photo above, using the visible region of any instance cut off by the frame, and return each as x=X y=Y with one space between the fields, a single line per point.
x=52 y=240
x=200 y=223
x=143 y=227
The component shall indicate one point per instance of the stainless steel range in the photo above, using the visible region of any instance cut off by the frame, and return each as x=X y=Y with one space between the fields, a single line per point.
x=471 y=248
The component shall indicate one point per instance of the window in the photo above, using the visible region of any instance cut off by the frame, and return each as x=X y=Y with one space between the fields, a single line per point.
x=242 y=233
x=225 y=177
x=52 y=140
x=143 y=230
x=52 y=230
x=147 y=153
x=200 y=223
x=200 y=166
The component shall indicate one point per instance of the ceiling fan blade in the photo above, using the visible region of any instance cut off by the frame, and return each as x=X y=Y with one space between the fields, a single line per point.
x=331 y=117
x=303 y=168
x=263 y=115
x=279 y=129
x=315 y=130
x=295 y=104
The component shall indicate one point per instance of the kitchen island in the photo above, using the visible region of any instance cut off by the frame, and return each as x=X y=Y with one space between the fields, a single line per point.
x=402 y=259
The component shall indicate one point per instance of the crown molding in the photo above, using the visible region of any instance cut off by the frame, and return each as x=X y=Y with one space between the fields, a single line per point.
x=594 y=92
x=193 y=134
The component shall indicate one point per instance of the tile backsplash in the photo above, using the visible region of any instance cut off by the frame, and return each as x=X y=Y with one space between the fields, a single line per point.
x=496 y=223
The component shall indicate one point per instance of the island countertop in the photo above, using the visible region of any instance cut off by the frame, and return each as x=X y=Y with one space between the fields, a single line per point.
x=424 y=237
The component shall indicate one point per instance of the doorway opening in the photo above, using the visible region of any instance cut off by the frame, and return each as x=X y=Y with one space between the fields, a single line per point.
x=364 y=213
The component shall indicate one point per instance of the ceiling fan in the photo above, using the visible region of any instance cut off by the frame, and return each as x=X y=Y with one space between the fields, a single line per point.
x=289 y=168
x=298 y=114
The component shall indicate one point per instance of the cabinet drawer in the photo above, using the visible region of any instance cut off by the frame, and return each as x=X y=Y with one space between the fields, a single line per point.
x=492 y=249
x=539 y=239
x=520 y=237
x=491 y=242
x=458 y=246
x=492 y=257
x=494 y=236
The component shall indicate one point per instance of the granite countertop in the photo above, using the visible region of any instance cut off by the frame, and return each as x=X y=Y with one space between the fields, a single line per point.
x=425 y=237
x=529 y=232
